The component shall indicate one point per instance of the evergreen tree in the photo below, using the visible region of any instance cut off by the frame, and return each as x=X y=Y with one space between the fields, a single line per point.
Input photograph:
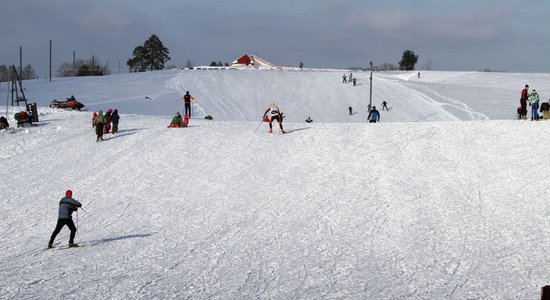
x=408 y=60
x=151 y=55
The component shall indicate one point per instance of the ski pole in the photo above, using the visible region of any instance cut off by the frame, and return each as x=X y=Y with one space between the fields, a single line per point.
x=258 y=126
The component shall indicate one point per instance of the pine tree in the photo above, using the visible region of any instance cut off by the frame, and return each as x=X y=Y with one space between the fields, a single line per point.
x=151 y=55
x=408 y=60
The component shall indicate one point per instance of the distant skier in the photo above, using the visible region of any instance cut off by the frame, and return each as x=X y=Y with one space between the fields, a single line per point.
x=66 y=207
x=114 y=119
x=523 y=102
x=534 y=101
x=301 y=65
x=374 y=115
x=187 y=103
x=354 y=81
x=99 y=123
x=350 y=110
x=350 y=78
x=273 y=113
x=344 y=79
x=385 y=105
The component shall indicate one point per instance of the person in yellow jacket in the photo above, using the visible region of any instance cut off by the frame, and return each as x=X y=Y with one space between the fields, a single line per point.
x=187 y=103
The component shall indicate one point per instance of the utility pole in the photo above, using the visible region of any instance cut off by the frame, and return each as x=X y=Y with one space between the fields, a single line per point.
x=74 y=63
x=370 y=95
x=20 y=60
x=50 y=60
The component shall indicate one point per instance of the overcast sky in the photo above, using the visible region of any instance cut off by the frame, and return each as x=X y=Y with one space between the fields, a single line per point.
x=504 y=35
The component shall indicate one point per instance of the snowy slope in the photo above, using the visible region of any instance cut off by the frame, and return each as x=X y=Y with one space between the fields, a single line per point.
x=335 y=209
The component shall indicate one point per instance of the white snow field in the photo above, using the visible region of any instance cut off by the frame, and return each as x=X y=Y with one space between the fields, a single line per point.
x=446 y=198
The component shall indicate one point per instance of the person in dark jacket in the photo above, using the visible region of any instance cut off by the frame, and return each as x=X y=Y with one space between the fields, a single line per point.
x=66 y=207
x=523 y=101
x=187 y=101
x=374 y=115
x=99 y=122
x=4 y=123
x=114 y=119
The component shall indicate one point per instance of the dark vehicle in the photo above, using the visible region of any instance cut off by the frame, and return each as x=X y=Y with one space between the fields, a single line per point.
x=69 y=103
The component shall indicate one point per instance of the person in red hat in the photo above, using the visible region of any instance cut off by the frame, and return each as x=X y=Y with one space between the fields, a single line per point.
x=66 y=207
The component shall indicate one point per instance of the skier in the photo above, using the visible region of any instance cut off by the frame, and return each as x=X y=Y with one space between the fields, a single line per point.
x=354 y=81
x=273 y=113
x=523 y=102
x=374 y=115
x=534 y=101
x=301 y=66
x=187 y=103
x=4 y=123
x=115 y=118
x=66 y=207
x=385 y=105
x=99 y=122
x=350 y=78
x=108 y=119
x=176 y=121
x=344 y=78
x=350 y=110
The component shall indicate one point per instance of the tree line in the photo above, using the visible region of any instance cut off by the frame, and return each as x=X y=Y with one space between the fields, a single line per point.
x=153 y=55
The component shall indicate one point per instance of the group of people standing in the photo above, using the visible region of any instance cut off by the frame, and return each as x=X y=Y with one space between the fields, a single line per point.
x=103 y=122
x=532 y=99
x=349 y=79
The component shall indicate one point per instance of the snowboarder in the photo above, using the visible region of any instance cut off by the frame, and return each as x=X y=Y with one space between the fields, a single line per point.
x=374 y=115
x=273 y=113
x=534 y=102
x=4 y=123
x=66 y=207
x=523 y=102
x=99 y=122
x=176 y=122
x=350 y=110
x=344 y=78
x=114 y=119
x=385 y=105
x=187 y=103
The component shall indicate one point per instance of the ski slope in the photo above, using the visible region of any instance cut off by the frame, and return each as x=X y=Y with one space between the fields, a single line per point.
x=445 y=199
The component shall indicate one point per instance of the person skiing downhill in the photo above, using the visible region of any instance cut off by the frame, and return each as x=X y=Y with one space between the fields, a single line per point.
x=187 y=103
x=534 y=101
x=273 y=113
x=385 y=105
x=374 y=115
x=66 y=207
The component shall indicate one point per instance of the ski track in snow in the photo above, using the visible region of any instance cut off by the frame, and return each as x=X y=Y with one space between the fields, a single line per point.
x=421 y=210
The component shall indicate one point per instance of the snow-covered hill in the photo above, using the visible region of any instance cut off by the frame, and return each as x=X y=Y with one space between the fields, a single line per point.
x=338 y=208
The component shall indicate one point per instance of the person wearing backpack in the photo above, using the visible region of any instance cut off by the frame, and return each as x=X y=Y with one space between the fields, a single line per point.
x=99 y=123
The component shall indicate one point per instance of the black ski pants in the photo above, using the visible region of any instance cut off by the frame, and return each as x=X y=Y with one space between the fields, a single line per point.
x=59 y=226
x=188 y=109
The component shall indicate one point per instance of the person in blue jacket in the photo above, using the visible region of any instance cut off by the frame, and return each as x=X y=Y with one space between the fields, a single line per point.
x=374 y=115
x=66 y=207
